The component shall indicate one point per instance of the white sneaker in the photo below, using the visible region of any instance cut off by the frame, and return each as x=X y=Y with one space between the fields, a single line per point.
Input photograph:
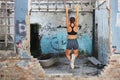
x=72 y=61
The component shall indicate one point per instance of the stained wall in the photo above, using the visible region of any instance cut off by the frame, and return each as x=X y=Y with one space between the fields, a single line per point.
x=53 y=35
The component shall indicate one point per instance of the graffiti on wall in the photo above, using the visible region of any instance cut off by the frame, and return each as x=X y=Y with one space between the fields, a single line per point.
x=21 y=8
x=20 y=33
x=54 y=40
x=21 y=38
x=53 y=34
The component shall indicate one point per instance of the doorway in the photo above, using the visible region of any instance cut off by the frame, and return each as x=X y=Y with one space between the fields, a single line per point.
x=34 y=40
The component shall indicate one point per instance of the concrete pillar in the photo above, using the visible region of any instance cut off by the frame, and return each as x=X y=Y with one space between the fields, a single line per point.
x=22 y=29
x=115 y=5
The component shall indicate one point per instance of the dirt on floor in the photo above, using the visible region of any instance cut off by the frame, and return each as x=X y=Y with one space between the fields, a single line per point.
x=83 y=67
x=9 y=70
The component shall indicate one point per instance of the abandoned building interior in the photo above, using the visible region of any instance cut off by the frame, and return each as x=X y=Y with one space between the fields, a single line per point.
x=33 y=38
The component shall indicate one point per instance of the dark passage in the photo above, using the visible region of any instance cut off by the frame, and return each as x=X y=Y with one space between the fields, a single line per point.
x=34 y=40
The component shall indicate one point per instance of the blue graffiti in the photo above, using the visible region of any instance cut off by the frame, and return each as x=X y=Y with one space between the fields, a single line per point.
x=20 y=29
x=21 y=8
x=57 y=43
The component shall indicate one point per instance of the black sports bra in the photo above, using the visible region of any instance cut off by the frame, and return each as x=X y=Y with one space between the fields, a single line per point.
x=72 y=32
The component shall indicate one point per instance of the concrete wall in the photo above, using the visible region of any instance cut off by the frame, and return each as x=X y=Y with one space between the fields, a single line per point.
x=103 y=33
x=21 y=28
x=115 y=24
x=53 y=31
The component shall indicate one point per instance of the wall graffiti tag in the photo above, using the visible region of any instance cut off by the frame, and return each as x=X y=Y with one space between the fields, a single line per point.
x=20 y=34
x=21 y=39
x=57 y=42
x=21 y=9
x=21 y=29
x=53 y=34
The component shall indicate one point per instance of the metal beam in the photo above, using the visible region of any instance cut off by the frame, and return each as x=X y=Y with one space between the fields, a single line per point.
x=99 y=5
x=59 y=10
x=65 y=3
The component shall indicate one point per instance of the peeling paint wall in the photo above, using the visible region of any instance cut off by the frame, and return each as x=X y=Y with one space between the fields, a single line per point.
x=52 y=32
x=53 y=35
x=103 y=33
x=102 y=16
x=21 y=10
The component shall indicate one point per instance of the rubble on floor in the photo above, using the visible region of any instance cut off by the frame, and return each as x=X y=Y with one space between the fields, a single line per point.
x=83 y=67
x=30 y=69
x=20 y=69
x=110 y=72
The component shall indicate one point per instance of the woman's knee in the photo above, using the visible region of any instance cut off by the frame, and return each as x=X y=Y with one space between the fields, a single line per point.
x=76 y=52
x=68 y=52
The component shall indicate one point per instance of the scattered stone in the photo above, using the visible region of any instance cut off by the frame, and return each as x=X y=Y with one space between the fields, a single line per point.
x=11 y=69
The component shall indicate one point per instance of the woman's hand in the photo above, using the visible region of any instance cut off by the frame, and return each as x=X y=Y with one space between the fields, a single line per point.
x=66 y=8
x=77 y=8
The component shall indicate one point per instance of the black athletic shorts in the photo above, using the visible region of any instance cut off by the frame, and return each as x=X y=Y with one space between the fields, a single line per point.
x=72 y=44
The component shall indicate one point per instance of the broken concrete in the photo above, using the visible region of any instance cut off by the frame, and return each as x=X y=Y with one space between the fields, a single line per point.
x=18 y=69
x=33 y=71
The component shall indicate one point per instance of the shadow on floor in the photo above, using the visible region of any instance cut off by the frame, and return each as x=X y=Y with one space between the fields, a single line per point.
x=82 y=67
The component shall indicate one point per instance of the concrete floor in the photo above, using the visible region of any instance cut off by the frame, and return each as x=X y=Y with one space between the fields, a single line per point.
x=82 y=67
x=35 y=72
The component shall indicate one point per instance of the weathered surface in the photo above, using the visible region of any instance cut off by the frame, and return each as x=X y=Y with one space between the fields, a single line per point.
x=52 y=31
x=115 y=5
x=12 y=69
x=110 y=72
x=20 y=69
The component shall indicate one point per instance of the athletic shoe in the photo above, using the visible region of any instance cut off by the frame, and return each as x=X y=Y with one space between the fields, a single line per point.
x=72 y=61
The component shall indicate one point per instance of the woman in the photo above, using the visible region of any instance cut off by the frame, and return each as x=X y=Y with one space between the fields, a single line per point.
x=72 y=29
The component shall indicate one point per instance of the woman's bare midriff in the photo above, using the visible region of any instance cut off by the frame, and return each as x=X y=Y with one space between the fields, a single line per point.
x=72 y=36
